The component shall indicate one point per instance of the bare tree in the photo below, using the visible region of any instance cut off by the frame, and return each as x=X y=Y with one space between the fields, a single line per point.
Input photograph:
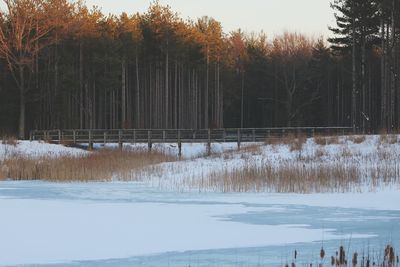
x=24 y=32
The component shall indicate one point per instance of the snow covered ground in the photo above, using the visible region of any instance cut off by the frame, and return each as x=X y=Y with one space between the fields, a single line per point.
x=192 y=173
x=37 y=149
x=163 y=221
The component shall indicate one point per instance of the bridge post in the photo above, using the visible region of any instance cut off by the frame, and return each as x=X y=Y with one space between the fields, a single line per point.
x=120 y=143
x=179 y=144
x=134 y=136
x=59 y=136
x=254 y=135
x=74 y=136
x=105 y=138
x=90 y=140
x=209 y=143
x=238 y=138
x=150 y=145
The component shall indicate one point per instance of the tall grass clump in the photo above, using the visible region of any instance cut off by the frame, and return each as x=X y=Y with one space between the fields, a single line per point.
x=9 y=140
x=102 y=165
x=326 y=140
x=295 y=141
x=286 y=178
x=390 y=139
x=343 y=257
x=357 y=139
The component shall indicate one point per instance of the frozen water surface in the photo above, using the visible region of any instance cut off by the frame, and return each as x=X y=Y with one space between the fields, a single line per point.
x=131 y=224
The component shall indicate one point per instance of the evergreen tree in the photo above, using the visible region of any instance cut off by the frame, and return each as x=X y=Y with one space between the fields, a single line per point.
x=357 y=30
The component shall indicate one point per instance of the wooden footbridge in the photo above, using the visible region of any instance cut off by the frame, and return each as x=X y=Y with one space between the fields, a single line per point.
x=154 y=136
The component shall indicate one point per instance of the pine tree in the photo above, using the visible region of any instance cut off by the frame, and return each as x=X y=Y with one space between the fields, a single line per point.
x=357 y=30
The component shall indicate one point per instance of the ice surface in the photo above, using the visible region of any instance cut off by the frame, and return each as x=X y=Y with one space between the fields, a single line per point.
x=89 y=224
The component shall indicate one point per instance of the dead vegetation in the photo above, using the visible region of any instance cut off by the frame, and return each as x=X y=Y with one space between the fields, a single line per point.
x=102 y=165
x=342 y=258
x=9 y=140
x=357 y=139
x=304 y=170
x=286 y=178
x=389 y=139
x=327 y=140
x=343 y=170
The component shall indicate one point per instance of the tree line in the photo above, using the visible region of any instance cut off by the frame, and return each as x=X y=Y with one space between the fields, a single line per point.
x=65 y=65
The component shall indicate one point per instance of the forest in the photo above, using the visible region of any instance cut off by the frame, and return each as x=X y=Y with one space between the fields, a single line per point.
x=64 y=65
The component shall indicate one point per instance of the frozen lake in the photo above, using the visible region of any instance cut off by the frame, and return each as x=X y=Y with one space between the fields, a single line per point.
x=130 y=224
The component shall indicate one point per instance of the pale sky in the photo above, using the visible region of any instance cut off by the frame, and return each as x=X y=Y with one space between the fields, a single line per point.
x=273 y=16
x=310 y=17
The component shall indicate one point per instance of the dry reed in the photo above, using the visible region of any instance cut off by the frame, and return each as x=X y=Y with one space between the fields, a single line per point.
x=285 y=178
x=389 y=139
x=294 y=141
x=357 y=139
x=389 y=258
x=9 y=140
x=326 y=140
x=101 y=165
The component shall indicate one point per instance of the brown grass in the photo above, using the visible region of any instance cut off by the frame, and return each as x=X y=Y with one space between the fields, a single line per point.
x=326 y=140
x=384 y=257
x=287 y=178
x=357 y=139
x=9 y=140
x=295 y=142
x=300 y=178
x=101 y=165
x=253 y=149
x=390 y=139
x=298 y=143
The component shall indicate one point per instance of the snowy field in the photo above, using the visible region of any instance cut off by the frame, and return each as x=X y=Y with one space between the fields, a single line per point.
x=163 y=221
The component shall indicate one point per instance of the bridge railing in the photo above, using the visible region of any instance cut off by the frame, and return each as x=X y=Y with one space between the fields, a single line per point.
x=151 y=136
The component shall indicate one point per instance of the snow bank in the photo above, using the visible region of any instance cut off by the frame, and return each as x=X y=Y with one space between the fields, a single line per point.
x=185 y=175
x=189 y=150
x=36 y=149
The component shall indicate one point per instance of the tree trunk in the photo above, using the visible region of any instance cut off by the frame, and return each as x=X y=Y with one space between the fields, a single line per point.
x=166 y=124
x=206 y=114
x=123 y=93
x=137 y=92
x=176 y=95
x=383 y=79
x=363 y=81
x=242 y=103
x=81 y=85
x=354 y=79
x=21 y=128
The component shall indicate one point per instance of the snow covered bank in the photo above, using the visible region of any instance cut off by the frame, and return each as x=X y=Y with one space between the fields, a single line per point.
x=189 y=150
x=367 y=162
x=294 y=165
x=37 y=149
